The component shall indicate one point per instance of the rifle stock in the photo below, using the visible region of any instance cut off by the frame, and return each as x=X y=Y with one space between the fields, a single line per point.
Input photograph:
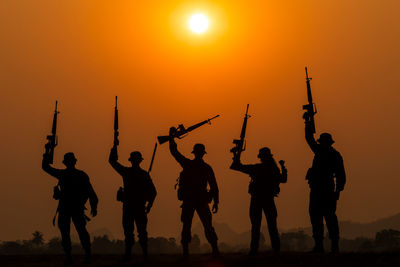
x=163 y=139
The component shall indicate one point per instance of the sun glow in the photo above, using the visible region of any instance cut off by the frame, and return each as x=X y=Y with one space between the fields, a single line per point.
x=198 y=23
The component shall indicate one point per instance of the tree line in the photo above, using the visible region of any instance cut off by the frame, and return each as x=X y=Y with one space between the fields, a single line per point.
x=387 y=240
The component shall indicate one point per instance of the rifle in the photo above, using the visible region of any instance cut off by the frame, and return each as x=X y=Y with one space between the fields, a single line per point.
x=116 y=132
x=52 y=139
x=310 y=108
x=181 y=131
x=152 y=158
x=240 y=144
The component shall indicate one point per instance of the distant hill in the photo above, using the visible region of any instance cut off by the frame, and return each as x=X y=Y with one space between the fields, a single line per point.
x=348 y=229
x=352 y=230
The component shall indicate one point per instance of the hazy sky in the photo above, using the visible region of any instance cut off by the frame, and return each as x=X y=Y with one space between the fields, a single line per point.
x=83 y=53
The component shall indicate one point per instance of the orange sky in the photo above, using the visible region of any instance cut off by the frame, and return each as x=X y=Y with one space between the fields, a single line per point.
x=83 y=53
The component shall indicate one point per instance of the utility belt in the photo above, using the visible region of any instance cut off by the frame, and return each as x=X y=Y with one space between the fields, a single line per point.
x=57 y=195
x=204 y=196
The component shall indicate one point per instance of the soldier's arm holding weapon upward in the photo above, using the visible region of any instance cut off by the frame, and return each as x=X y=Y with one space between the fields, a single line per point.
x=173 y=148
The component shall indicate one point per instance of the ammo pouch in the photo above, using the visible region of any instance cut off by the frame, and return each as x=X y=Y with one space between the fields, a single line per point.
x=57 y=192
x=121 y=194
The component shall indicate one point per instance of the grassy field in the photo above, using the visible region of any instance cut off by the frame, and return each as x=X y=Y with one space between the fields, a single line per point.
x=265 y=259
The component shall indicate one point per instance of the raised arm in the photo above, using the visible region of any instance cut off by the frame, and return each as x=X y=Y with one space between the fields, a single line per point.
x=113 y=160
x=173 y=148
x=49 y=169
x=238 y=166
x=310 y=138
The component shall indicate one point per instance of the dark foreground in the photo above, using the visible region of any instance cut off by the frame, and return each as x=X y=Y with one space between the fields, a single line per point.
x=266 y=259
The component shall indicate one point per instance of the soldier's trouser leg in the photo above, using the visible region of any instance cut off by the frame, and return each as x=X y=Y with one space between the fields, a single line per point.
x=141 y=226
x=128 y=225
x=317 y=218
x=186 y=218
x=203 y=210
x=332 y=221
x=64 y=224
x=80 y=226
x=255 y=218
x=271 y=215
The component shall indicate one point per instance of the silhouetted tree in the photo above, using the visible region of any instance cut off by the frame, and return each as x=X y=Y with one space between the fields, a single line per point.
x=37 y=238
x=54 y=245
x=388 y=239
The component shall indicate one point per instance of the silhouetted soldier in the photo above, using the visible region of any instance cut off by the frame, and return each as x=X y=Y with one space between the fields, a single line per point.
x=327 y=165
x=138 y=197
x=192 y=191
x=264 y=186
x=73 y=191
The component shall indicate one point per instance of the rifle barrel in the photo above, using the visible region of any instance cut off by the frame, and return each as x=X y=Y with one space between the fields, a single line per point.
x=152 y=157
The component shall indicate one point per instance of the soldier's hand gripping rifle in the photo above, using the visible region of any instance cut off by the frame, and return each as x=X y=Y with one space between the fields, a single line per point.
x=310 y=108
x=116 y=132
x=240 y=144
x=181 y=131
x=52 y=139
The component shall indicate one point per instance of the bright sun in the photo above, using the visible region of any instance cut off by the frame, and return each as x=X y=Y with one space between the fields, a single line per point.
x=198 y=23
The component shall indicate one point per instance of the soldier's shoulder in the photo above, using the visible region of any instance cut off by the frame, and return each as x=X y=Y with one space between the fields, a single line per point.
x=337 y=153
x=207 y=165
x=82 y=173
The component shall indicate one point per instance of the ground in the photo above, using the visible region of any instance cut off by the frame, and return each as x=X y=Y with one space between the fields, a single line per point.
x=266 y=259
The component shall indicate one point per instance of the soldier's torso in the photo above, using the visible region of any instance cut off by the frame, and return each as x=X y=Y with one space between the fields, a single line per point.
x=264 y=180
x=135 y=185
x=74 y=186
x=194 y=179
x=323 y=169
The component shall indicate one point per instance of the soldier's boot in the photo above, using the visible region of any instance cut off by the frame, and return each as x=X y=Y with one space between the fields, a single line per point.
x=144 y=250
x=318 y=247
x=88 y=256
x=334 y=246
x=68 y=259
x=185 y=250
x=128 y=253
x=215 y=250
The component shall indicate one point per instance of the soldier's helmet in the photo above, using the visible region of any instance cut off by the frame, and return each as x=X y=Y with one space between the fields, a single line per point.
x=199 y=149
x=135 y=156
x=69 y=158
x=325 y=138
x=264 y=152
